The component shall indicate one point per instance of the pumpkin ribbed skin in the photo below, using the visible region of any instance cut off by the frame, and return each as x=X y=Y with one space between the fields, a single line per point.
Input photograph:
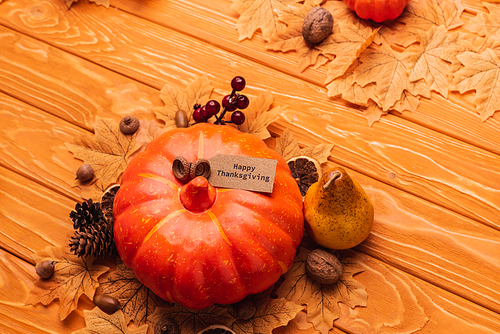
x=377 y=10
x=239 y=246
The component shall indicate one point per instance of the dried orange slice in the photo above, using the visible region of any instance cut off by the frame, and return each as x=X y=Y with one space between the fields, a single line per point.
x=217 y=329
x=305 y=170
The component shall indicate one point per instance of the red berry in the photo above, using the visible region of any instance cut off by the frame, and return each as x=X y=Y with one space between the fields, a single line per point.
x=238 y=83
x=242 y=101
x=204 y=113
x=198 y=118
x=238 y=117
x=212 y=107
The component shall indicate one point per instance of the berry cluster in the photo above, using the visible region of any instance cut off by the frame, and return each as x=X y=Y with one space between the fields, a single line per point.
x=229 y=103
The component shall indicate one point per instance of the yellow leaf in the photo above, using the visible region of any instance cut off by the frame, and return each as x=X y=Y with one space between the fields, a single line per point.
x=288 y=147
x=346 y=45
x=386 y=69
x=407 y=102
x=425 y=61
x=424 y=14
x=373 y=112
x=484 y=24
x=97 y=321
x=104 y=3
x=198 y=91
x=322 y=299
x=73 y=276
x=481 y=73
x=258 y=116
x=138 y=302
x=290 y=39
x=258 y=14
x=107 y=152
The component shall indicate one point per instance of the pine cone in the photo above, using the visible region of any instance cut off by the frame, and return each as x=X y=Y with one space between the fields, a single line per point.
x=93 y=240
x=85 y=214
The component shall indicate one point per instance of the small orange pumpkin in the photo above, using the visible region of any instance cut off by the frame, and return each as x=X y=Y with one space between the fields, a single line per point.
x=377 y=10
x=198 y=245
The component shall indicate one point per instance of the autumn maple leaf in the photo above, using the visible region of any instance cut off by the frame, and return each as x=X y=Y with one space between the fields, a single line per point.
x=484 y=24
x=73 y=277
x=258 y=14
x=322 y=299
x=387 y=70
x=270 y=313
x=425 y=14
x=104 y=3
x=346 y=44
x=258 y=115
x=97 y=321
x=426 y=62
x=481 y=73
x=193 y=321
x=291 y=39
x=288 y=147
x=197 y=92
x=136 y=300
x=108 y=152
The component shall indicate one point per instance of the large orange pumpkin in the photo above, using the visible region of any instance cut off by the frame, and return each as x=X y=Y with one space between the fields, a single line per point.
x=377 y=10
x=235 y=243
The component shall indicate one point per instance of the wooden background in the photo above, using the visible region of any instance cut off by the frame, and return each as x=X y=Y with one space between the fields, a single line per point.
x=433 y=258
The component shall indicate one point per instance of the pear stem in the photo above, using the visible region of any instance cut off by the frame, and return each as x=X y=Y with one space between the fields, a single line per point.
x=335 y=175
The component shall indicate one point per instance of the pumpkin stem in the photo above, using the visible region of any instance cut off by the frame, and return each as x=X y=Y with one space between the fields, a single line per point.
x=198 y=195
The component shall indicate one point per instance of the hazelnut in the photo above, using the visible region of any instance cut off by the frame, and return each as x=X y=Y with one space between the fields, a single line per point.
x=318 y=24
x=45 y=269
x=107 y=303
x=129 y=125
x=167 y=325
x=323 y=266
x=85 y=173
x=181 y=119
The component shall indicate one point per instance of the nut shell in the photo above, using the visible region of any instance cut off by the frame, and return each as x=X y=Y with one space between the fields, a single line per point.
x=85 y=173
x=323 y=266
x=107 y=303
x=45 y=269
x=318 y=24
x=129 y=125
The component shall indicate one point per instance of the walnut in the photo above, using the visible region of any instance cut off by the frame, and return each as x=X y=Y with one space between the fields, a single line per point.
x=323 y=266
x=318 y=24
x=129 y=125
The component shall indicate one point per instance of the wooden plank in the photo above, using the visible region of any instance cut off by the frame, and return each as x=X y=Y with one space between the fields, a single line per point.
x=215 y=23
x=396 y=302
x=32 y=216
x=67 y=86
x=428 y=164
x=462 y=242
x=16 y=281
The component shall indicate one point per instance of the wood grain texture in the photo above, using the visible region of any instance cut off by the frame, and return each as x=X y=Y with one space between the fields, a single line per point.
x=215 y=23
x=426 y=163
x=16 y=280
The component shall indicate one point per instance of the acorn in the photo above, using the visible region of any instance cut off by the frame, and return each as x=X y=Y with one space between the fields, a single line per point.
x=45 y=269
x=129 y=125
x=107 y=303
x=181 y=119
x=85 y=173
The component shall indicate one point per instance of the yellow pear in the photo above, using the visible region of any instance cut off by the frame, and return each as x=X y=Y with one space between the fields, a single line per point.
x=337 y=211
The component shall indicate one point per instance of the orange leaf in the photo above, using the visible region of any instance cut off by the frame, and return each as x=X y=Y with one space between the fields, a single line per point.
x=258 y=116
x=484 y=24
x=322 y=299
x=107 y=152
x=198 y=91
x=288 y=147
x=258 y=14
x=482 y=74
x=73 y=276
x=137 y=301
x=346 y=45
x=97 y=321
x=373 y=113
x=386 y=68
x=291 y=38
